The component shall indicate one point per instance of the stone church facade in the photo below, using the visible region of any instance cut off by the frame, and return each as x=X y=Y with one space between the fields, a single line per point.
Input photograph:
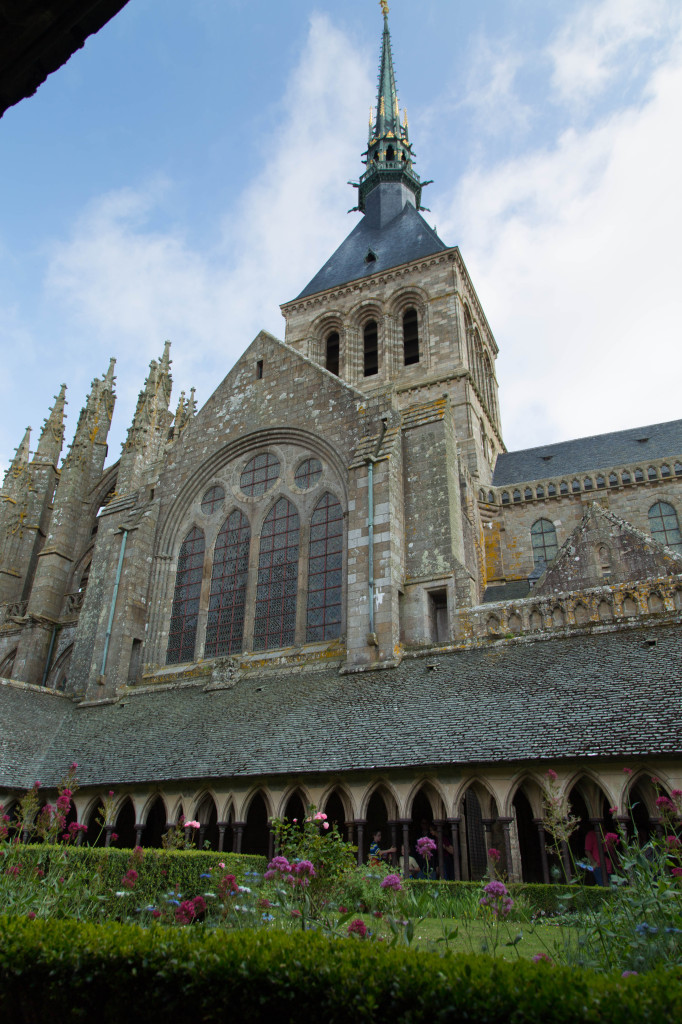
x=333 y=584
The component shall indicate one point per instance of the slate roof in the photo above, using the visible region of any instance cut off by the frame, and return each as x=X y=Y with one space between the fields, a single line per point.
x=598 y=694
x=663 y=440
x=406 y=237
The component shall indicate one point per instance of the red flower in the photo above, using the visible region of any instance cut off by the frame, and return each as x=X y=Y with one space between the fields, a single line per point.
x=677 y=872
x=357 y=927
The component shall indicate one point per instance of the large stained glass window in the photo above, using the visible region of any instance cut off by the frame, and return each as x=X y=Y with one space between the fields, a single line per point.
x=277 y=585
x=182 y=634
x=225 y=626
x=324 y=570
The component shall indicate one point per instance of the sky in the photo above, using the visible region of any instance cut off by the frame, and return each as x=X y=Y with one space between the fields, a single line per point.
x=186 y=172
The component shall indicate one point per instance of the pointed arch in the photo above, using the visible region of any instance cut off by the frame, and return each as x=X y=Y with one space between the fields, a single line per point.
x=155 y=822
x=256 y=835
x=277 y=583
x=182 y=633
x=325 y=564
x=225 y=626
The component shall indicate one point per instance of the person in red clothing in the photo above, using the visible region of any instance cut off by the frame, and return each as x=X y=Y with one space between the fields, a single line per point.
x=593 y=858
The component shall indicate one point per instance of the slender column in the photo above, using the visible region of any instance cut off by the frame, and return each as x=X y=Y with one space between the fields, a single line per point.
x=237 y=836
x=439 y=836
x=360 y=826
x=406 y=822
x=108 y=829
x=598 y=826
x=202 y=833
x=222 y=828
x=543 y=849
x=506 y=823
x=454 y=828
x=350 y=831
x=488 y=828
x=139 y=829
x=271 y=843
x=393 y=825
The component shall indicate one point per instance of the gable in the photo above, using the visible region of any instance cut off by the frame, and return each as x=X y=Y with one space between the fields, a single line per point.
x=604 y=549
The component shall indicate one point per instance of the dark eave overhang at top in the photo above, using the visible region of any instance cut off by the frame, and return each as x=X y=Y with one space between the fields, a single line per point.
x=38 y=36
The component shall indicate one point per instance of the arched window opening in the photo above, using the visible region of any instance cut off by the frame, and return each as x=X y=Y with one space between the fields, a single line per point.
x=390 y=155
x=544 y=542
x=225 y=627
x=528 y=494
x=517 y=495
x=678 y=469
x=575 y=485
x=505 y=497
x=182 y=633
x=332 y=349
x=601 y=482
x=587 y=483
x=651 y=473
x=540 y=491
x=625 y=477
x=256 y=837
x=613 y=480
x=410 y=337
x=371 y=348
x=124 y=827
x=212 y=499
x=563 y=487
x=664 y=525
x=324 y=570
x=551 y=491
x=277 y=584
x=665 y=470
x=639 y=476
x=156 y=825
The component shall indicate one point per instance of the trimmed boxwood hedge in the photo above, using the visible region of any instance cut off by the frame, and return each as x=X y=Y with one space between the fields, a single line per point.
x=539 y=897
x=157 y=870
x=68 y=971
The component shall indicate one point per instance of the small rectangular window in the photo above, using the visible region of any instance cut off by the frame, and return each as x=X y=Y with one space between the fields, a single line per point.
x=438 y=615
x=259 y=370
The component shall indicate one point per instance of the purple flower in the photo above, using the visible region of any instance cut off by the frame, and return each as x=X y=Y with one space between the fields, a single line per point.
x=496 y=897
x=542 y=957
x=392 y=882
x=426 y=846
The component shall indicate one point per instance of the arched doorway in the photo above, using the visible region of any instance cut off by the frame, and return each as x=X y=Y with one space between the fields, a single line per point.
x=531 y=839
x=156 y=825
x=256 y=835
x=335 y=811
x=377 y=821
x=207 y=816
x=124 y=827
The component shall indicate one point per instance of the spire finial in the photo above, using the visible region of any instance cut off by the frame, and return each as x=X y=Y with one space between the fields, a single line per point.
x=384 y=7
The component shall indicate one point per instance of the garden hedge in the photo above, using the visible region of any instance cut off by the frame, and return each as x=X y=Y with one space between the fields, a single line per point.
x=70 y=971
x=157 y=870
x=549 y=899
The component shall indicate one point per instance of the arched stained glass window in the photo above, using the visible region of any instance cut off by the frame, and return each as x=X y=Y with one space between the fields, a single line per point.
x=664 y=525
x=225 y=626
x=543 y=540
x=183 y=625
x=324 y=570
x=277 y=586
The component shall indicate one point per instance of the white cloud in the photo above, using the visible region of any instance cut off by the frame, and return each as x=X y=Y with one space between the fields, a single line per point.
x=574 y=250
x=130 y=287
x=602 y=41
x=491 y=87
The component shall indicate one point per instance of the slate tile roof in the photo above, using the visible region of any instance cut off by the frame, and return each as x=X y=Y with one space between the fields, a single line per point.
x=599 y=694
x=663 y=440
x=407 y=237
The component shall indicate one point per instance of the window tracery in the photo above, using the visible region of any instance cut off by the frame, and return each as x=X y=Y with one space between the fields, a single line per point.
x=225 y=626
x=182 y=633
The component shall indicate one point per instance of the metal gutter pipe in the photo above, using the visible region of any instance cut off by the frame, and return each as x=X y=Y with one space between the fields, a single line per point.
x=370 y=541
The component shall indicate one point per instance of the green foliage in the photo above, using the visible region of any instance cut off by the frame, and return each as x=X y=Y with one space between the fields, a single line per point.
x=314 y=839
x=65 y=970
x=535 y=898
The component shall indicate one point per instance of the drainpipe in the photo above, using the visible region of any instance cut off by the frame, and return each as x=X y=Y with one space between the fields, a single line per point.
x=49 y=655
x=370 y=521
x=124 y=530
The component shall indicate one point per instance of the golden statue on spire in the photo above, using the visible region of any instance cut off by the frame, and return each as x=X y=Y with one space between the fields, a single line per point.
x=384 y=6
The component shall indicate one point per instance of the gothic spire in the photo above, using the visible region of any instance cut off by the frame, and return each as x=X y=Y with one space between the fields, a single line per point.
x=52 y=435
x=389 y=154
x=17 y=471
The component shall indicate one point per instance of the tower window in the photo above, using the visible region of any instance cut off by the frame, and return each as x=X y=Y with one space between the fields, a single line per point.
x=259 y=369
x=411 y=337
x=371 y=348
x=544 y=543
x=390 y=154
x=664 y=524
x=332 y=353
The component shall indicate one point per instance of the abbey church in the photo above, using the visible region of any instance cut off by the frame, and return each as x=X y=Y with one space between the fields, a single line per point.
x=333 y=585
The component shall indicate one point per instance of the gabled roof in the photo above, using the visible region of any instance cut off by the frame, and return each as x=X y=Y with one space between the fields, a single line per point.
x=407 y=237
x=638 y=445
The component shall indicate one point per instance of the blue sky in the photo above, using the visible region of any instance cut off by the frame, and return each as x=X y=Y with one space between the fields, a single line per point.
x=186 y=172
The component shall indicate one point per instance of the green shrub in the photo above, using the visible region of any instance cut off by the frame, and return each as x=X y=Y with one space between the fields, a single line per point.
x=66 y=970
x=539 y=898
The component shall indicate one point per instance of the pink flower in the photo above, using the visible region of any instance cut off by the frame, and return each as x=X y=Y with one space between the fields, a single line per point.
x=156 y=913
x=611 y=838
x=73 y=766
x=111 y=792
x=426 y=846
x=114 y=837
x=36 y=785
x=627 y=771
x=655 y=779
x=221 y=864
x=391 y=882
x=494 y=854
x=664 y=803
x=192 y=824
x=629 y=974
x=357 y=927
x=377 y=913
x=551 y=775
x=320 y=816
x=295 y=821
x=296 y=913
x=31 y=915
x=325 y=824
x=496 y=897
x=542 y=958
x=673 y=841
x=343 y=910
x=677 y=872
x=676 y=794
x=613 y=810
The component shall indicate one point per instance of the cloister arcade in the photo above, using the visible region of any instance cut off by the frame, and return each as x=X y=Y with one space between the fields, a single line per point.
x=468 y=816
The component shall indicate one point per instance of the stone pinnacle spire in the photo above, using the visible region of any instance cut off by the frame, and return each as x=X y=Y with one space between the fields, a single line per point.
x=389 y=154
x=52 y=435
x=17 y=470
